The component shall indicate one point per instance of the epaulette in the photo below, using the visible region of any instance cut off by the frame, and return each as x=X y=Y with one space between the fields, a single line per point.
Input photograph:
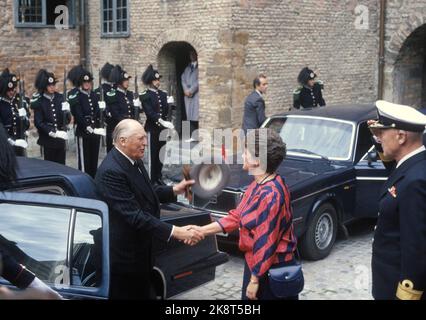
x=296 y=93
x=35 y=100
x=72 y=99
x=72 y=96
x=111 y=96
x=143 y=95
x=297 y=90
x=111 y=93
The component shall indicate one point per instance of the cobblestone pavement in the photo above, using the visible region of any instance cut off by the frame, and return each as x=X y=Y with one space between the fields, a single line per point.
x=344 y=275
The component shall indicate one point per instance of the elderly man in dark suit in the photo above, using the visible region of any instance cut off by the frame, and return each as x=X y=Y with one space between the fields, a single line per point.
x=254 y=106
x=134 y=209
x=399 y=247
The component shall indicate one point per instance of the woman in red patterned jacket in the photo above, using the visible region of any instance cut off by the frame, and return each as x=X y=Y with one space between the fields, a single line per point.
x=263 y=216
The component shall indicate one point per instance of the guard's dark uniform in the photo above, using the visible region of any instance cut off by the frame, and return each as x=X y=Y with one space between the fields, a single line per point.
x=9 y=110
x=107 y=85
x=306 y=96
x=120 y=105
x=156 y=108
x=86 y=112
x=399 y=246
x=154 y=104
x=49 y=117
x=14 y=124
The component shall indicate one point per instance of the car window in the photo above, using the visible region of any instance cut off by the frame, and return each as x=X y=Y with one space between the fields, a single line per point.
x=87 y=250
x=364 y=141
x=36 y=237
x=310 y=136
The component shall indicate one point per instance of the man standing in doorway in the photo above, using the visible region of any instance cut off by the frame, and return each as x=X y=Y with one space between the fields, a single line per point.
x=190 y=90
x=254 y=106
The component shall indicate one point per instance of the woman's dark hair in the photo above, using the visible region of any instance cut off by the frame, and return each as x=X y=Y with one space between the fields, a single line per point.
x=275 y=147
x=8 y=163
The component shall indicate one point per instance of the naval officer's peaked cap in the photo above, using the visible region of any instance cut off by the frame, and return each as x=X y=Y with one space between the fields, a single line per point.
x=397 y=116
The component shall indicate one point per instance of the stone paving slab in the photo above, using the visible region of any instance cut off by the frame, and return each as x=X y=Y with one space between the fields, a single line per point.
x=344 y=275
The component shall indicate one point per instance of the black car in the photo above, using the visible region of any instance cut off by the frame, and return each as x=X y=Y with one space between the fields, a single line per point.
x=331 y=168
x=52 y=222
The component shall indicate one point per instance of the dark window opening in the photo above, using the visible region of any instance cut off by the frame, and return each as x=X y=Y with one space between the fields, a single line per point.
x=51 y=5
x=41 y=13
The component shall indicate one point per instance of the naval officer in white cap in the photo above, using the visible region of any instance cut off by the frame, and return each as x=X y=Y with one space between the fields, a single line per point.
x=399 y=247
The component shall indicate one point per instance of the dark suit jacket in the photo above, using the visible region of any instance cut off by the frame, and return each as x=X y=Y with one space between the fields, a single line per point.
x=399 y=247
x=254 y=111
x=134 y=212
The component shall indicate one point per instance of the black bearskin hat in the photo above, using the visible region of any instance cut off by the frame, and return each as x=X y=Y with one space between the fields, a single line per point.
x=106 y=71
x=150 y=75
x=77 y=75
x=43 y=79
x=118 y=75
x=305 y=75
x=8 y=81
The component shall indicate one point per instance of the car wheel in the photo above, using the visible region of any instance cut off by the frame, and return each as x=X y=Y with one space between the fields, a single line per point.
x=319 y=238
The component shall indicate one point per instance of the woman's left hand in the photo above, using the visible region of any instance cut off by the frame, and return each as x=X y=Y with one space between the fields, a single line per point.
x=251 y=291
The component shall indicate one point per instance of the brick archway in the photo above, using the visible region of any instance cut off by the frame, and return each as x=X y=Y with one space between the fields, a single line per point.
x=189 y=37
x=405 y=62
x=398 y=38
x=176 y=35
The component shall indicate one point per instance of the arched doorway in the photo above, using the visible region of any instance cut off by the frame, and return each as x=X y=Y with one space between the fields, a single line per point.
x=172 y=59
x=409 y=80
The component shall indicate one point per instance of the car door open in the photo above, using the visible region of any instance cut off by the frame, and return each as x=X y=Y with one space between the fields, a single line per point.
x=63 y=240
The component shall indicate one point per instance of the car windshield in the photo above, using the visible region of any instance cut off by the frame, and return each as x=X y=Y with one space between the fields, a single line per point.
x=315 y=137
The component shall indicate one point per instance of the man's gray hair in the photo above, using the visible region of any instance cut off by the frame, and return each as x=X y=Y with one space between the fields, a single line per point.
x=124 y=129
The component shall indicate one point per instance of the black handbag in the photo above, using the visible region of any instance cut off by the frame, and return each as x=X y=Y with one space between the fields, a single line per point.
x=286 y=281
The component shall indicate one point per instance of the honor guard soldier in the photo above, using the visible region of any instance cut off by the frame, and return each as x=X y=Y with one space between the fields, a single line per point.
x=106 y=84
x=399 y=246
x=51 y=117
x=309 y=94
x=120 y=101
x=14 y=113
x=155 y=106
x=86 y=112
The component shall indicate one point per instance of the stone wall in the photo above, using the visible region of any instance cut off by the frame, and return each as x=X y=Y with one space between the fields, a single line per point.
x=281 y=37
x=237 y=39
x=30 y=49
x=153 y=25
x=405 y=44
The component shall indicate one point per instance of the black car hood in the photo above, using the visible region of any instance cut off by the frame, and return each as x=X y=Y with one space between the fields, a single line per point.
x=294 y=170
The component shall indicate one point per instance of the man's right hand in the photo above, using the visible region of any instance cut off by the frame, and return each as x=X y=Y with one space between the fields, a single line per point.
x=189 y=234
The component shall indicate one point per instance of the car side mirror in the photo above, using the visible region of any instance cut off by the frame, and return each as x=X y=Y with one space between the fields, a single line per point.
x=371 y=157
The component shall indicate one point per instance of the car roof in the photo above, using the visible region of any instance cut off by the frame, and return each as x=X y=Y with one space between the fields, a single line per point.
x=30 y=169
x=349 y=112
